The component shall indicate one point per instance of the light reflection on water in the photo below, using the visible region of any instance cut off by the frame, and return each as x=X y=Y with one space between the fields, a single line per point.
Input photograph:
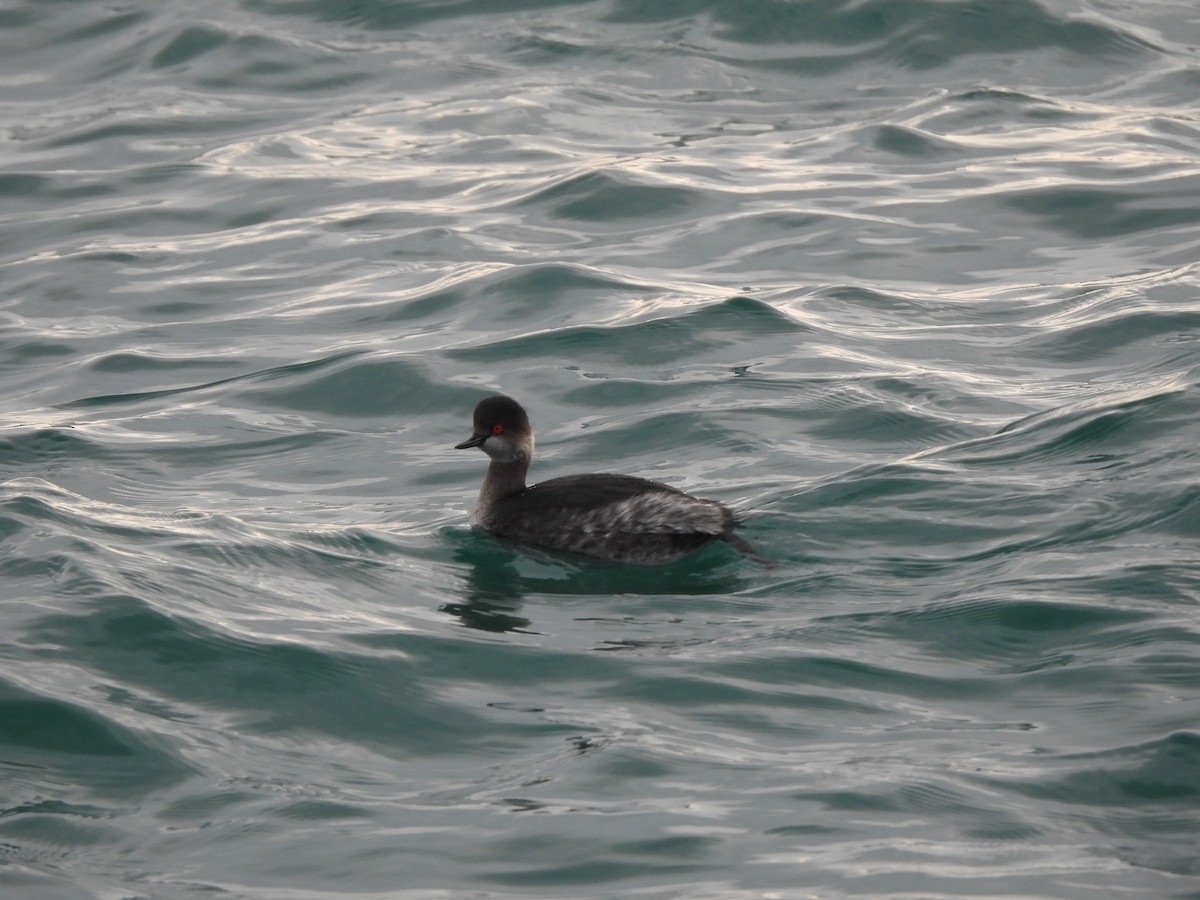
x=914 y=292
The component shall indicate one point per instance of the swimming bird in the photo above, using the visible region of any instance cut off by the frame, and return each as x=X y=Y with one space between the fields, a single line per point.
x=613 y=517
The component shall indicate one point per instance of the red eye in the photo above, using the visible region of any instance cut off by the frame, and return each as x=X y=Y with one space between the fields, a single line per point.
x=497 y=429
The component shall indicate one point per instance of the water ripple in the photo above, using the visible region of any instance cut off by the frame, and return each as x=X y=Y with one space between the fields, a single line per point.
x=910 y=285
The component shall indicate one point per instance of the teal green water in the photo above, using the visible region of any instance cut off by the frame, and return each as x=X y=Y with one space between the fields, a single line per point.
x=911 y=285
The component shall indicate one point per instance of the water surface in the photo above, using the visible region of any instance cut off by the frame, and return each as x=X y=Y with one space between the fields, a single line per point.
x=912 y=285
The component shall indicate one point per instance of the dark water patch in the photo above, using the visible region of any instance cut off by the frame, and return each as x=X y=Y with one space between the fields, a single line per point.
x=45 y=737
x=945 y=33
x=992 y=110
x=17 y=18
x=929 y=391
x=56 y=728
x=231 y=456
x=1151 y=582
x=10 y=526
x=804 y=831
x=48 y=446
x=925 y=799
x=272 y=688
x=493 y=612
x=55 y=835
x=322 y=811
x=798 y=65
x=1015 y=634
x=130 y=130
x=977 y=517
x=224 y=60
x=274 y=373
x=1106 y=523
x=1176 y=670
x=736 y=230
x=597 y=197
x=523 y=290
x=163 y=173
x=17 y=355
x=1105 y=336
x=111 y=23
x=24 y=184
x=511 y=293
x=385 y=16
x=916 y=34
x=725 y=699
x=1179 y=514
x=140 y=362
x=59 y=568
x=667 y=435
x=868 y=488
x=189 y=43
x=860 y=309
x=33 y=192
x=1096 y=430
x=540 y=50
x=203 y=805
x=253 y=217
x=912 y=143
x=497 y=578
x=355 y=388
x=622 y=394
x=695 y=332
x=679 y=846
x=29 y=880
x=576 y=863
x=436 y=308
x=1001 y=614
x=1163 y=772
x=878 y=416
x=897 y=546
x=131 y=45
x=762 y=247
x=59 y=808
x=1096 y=213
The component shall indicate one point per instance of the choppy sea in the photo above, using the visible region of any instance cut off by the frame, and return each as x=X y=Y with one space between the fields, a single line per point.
x=914 y=285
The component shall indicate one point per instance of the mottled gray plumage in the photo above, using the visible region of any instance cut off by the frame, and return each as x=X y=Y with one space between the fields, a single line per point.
x=614 y=517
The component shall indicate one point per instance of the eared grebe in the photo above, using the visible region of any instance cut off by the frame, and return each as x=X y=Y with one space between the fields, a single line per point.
x=613 y=517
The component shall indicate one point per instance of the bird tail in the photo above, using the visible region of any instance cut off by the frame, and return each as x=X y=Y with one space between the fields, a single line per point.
x=747 y=550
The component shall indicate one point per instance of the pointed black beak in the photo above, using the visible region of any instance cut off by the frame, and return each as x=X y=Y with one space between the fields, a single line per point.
x=473 y=441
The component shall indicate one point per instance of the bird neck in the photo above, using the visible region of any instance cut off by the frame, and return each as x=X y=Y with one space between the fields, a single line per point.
x=503 y=479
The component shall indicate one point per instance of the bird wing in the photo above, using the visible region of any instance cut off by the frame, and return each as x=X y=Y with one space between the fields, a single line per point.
x=613 y=503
